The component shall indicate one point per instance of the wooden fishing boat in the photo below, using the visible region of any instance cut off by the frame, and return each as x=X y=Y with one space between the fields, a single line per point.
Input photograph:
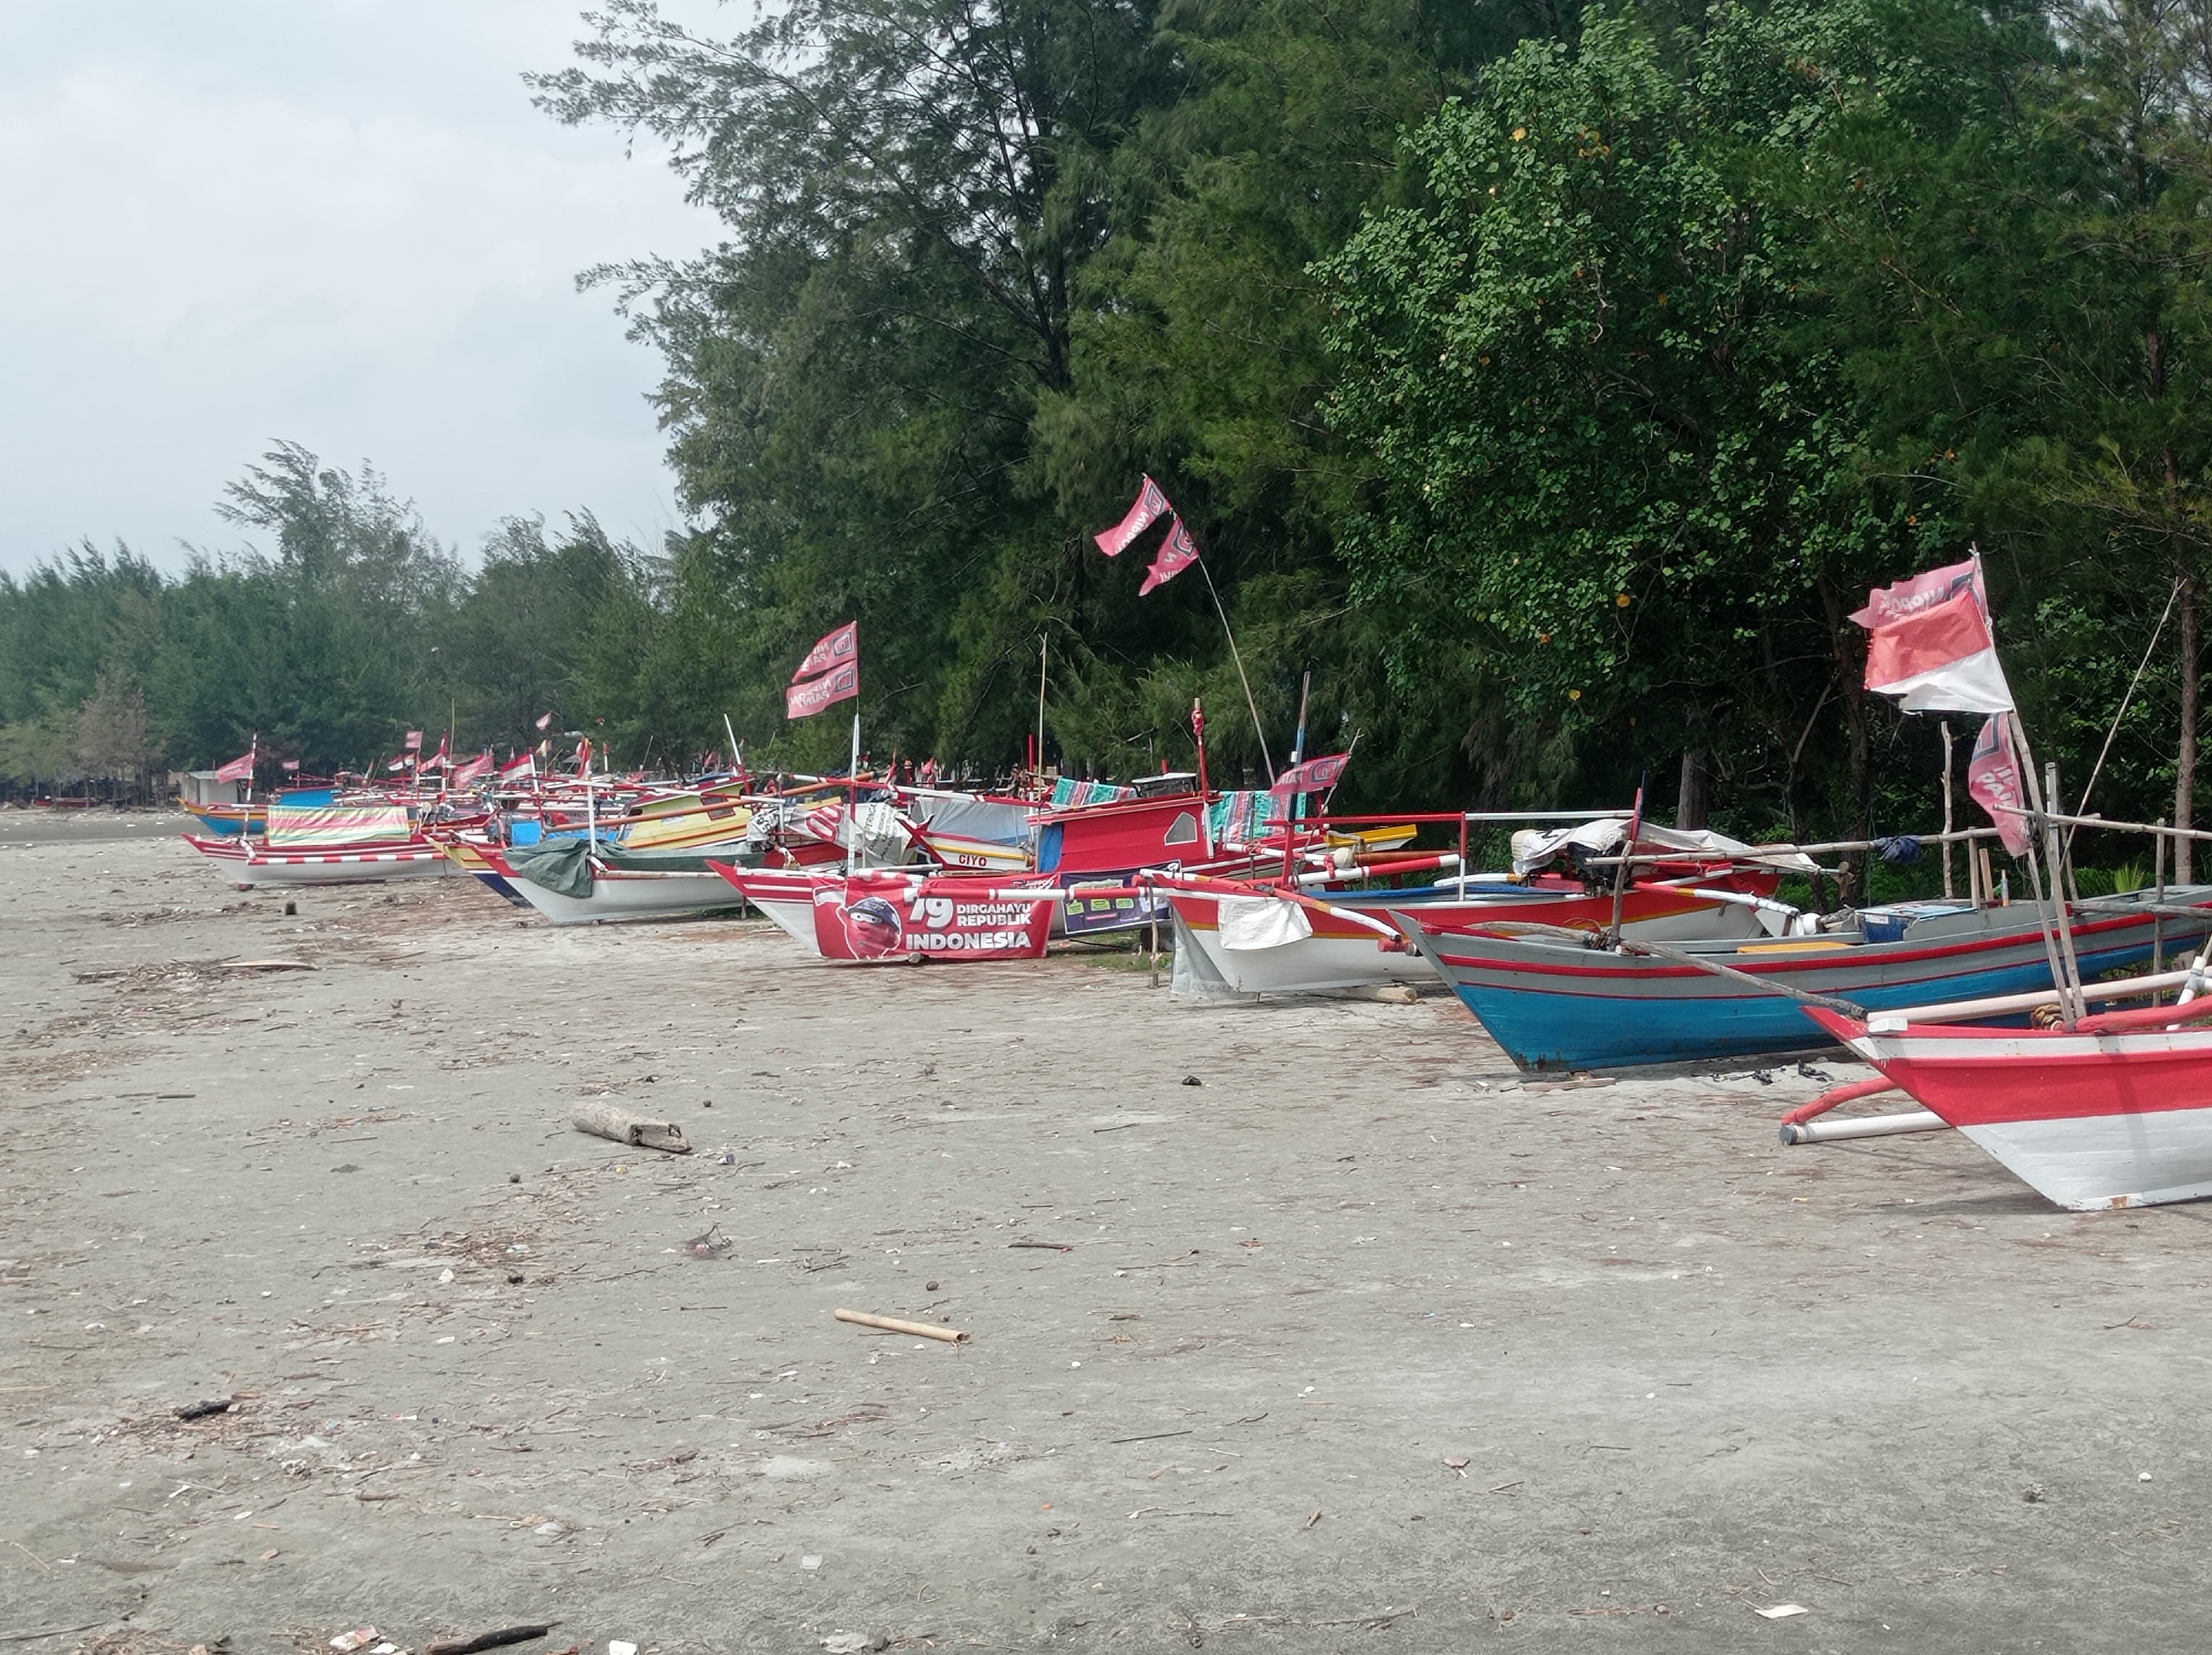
x=904 y=913
x=574 y=882
x=328 y=844
x=1557 y=1005
x=2114 y=1112
x=229 y=821
x=1257 y=941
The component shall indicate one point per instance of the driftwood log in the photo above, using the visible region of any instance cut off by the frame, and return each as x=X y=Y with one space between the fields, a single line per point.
x=498 y=1639
x=603 y=1118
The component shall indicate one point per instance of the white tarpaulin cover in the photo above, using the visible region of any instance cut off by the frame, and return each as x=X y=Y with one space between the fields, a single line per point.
x=1534 y=848
x=1249 y=922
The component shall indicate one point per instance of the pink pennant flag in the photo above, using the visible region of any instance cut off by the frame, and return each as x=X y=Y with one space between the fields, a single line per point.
x=839 y=683
x=835 y=647
x=1315 y=776
x=240 y=768
x=545 y=721
x=1151 y=506
x=1993 y=782
x=1909 y=598
x=476 y=769
x=1940 y=658
x=1177 y=553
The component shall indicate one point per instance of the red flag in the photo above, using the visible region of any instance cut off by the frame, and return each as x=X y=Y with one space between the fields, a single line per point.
x=545 y=722
x=839 y=683
x=293 y=765
x=1177 y=553
x=516 y=770
x=1940 y=658
x=1315 y=776
x=1993 y=782
x=834 y=648
x=240 y=768
x=475 y=769
x=413 y=742
x=1151 y=506
x=437 y=761
x=1908 y=598
x=583 y=754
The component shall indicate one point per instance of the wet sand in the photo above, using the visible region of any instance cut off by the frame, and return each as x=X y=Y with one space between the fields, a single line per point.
x=1359 y=1343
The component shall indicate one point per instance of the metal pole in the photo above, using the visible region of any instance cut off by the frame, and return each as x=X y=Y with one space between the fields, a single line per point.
x=1044 y=648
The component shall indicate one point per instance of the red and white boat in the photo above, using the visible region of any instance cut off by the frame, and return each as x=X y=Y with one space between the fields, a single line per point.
x=330 y=844
x=2116 y=1111
x=900 y=914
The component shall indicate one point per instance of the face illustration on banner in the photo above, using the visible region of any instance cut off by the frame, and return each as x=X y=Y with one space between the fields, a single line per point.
x=873 y=924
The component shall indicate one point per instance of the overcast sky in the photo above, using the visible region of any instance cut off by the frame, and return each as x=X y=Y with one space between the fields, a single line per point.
x=336 y=221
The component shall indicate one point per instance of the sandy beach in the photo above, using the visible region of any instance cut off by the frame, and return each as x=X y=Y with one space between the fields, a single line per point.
x=1297 y=1325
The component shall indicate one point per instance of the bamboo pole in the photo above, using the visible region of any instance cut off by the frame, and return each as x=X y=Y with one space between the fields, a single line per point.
x=893 y=1325
x=1947 y=809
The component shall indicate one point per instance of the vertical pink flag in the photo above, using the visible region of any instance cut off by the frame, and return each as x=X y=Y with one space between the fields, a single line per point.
x=833 y=649
x=1177 y=553
x=1151 y=506
x=1993 y=782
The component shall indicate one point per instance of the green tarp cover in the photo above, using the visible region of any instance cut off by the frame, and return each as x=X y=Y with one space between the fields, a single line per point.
x=561 y=866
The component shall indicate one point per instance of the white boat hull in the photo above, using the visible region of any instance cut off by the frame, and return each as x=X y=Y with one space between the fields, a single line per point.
x=621 y=895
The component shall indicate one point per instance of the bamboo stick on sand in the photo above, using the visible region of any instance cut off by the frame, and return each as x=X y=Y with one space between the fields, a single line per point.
x=892 y=1324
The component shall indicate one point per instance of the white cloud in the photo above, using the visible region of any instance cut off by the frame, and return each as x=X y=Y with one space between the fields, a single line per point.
x=339 y=223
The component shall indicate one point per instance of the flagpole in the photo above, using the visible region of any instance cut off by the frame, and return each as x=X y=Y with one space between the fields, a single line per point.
x=1044 y=648
x=1234 y=655
x=852 y=810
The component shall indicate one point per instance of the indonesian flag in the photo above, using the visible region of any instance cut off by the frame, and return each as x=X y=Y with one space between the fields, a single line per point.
x=1151 y=506
x=291 y=765
x=413 y=742
x=437 y=761
x=839 y=683
x=518 y=769
x=1993 y=782
x=545 y=722
x=835 y=647
x=396 y=766
x=1177 y=553
x=240 y=768
x=1908 y=598
x=476 y=769
x=583 y=754
x=1315 y=776
x=1941 y=659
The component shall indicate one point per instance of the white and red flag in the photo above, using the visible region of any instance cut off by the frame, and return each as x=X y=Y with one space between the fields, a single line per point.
x=521 y=769
x=240 y=768
x=1993 y=782
x=413 y=742
x=1315 y=776
x=396 y=765
x=545 y=721
x=583 y=754
x=838 y=683
x=1942 y=658
x=291 y=765
x=1151 y=506
x=1177 y=553
x=437 y=760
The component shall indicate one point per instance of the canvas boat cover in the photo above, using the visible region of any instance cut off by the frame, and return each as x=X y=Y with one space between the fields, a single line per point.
x=336 y=827
x=1535 y=848
x=963 y=816
x=561 y=866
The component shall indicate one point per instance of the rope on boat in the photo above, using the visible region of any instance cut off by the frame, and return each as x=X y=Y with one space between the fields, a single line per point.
x=1661 y=951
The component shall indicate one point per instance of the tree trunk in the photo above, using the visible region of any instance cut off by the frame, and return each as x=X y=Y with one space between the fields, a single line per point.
x=1693 y=796
x=2184 y=778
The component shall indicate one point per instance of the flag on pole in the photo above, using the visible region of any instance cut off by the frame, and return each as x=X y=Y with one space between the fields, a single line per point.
x=521 y=769
x=1177 y=553
x=396 y=765
x=474 y=770
x=413 y=742
x=830 y=673
x=1993 y=782
x=545 y=722
x=1315 y=776
x=292 y=766
x=240 y=768
x=833 y=648
x=1151 y=506
x=437 y=761
x=583 y=754
x=1942 y=658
